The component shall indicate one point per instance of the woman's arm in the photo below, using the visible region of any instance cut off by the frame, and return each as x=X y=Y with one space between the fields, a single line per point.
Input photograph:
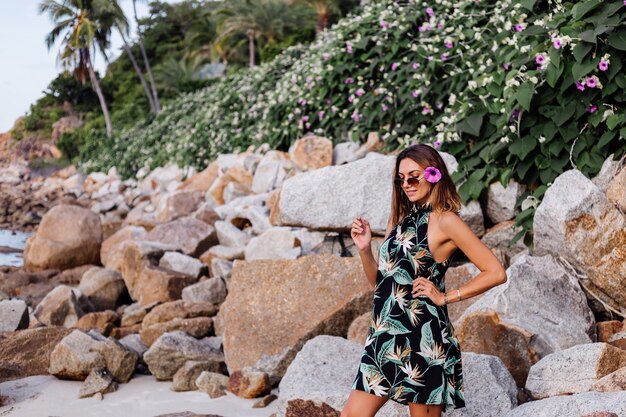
x=492 y=273
x=370 y=265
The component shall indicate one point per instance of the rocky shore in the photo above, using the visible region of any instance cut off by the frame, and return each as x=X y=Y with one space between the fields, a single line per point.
x=242 y=279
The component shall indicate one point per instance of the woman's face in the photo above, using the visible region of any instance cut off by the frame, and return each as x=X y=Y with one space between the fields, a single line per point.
x=416 y=193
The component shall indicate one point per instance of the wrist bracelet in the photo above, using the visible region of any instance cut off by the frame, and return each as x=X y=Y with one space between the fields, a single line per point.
x=445 y=299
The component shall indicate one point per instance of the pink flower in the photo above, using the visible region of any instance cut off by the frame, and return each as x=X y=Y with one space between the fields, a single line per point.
x=592 y=108
x=360 y=92
x=439 y=25
x=327 y=101
x=356 y=116
x=349 y=80
x=348 y=47
x=415 y=65
x=311 y=85
x=427 y=110
x=437 y=144
x=580 y=86
x=384 y=106
x=603 y=65
x=320 y=114
x=394 y=66
x=415 y=93
x=506 y=66
x=430 y=12
x=325 y=57
x=591 y=82
x=540 y=59
x=519 y=27
x=432 y=175
x=351 y=98
x=449 y=44
x=383 y=24
x=444 y=57
x=556 y=43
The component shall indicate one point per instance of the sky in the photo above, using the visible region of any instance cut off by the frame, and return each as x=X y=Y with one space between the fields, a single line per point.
x=27 y=66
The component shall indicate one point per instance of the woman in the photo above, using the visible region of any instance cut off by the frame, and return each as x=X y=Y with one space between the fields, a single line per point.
x=411 y=354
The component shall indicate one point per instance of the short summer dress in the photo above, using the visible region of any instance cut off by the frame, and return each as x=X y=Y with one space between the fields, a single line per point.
x=411 y=354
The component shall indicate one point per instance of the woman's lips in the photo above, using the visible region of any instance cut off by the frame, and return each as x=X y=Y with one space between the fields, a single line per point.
x=411 y=192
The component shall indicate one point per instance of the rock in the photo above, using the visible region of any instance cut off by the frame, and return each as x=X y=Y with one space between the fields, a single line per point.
x=247 y=383
x=212 y=383
x=161 y=285
x=221 y=268
x=192 y=236
x=588 y=363
x=60 y=307
x=78 y=353
x=275 y=243
x=311 y=152
x=472 y=214
x=618 y=340
x=72 y=276
x=265 y=401
x=537 y=290
x=99 y=380
x=222 y=252
x=456 y=277
x=181 y=263
x=500 y=236
x=179 y=309
x=610 y=169
x=233 y=174
x=615 y=381
x=197 y=327
x=172 y=350
x=130 y=259
x=202 y=180
x=586 y=229
x=573 y=405
x=501 y=201
x=102 y=321
x=178 y=204
x=345 y=152
x=133 y=343
x=212 y=290
x=185 y=378
x=310 y=242
x=270 y=171
x=135 y=313
x=162 y=178
x=483 y=332
x=65 y=124
x=337 y=292
x=67 y=236
x=230 y=235
x=13 y=315
x=606 y=329
x=126 y=233
x=27 y=352
x=357 y=332
x=104 y=288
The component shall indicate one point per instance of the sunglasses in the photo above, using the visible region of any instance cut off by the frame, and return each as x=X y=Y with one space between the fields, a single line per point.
x=412 y=181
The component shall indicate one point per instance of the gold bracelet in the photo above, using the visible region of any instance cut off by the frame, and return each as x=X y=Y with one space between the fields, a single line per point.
x=459 y=293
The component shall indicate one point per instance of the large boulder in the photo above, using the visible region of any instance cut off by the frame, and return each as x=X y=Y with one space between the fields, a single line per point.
x=189 y=235
x=129 y=232
x=586 y=229
x=501 y=200
x=590 y=404
x=67 y=236
x=27 y=352
x=13 y=315
x=311 y=152
x=582 y=366
x=103 y=288
x=61 y=307
x=266 y=327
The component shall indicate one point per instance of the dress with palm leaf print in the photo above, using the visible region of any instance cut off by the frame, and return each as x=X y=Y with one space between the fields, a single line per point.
x=411 y=354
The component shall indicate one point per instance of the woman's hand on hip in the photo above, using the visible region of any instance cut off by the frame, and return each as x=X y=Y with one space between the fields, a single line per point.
x=424 y=286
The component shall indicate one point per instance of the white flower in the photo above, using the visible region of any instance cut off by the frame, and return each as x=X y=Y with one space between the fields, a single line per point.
x=542 y=139
x=505 y=139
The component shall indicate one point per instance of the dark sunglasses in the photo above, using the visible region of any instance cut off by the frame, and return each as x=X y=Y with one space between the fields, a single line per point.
x=413 y=181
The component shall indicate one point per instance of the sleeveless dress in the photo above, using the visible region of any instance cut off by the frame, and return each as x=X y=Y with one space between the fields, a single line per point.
x=411 y=354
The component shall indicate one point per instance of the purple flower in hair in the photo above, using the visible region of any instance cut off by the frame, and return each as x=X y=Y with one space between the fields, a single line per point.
x=432 y=174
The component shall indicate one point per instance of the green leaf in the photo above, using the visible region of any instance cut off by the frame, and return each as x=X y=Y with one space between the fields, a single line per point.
x=565 y=114
x=553 y=73
x=614 y=120
x=525 y=94
x=580 y=70
x=588 y=36
x=618 y=40
x=606 y=138
x=581 y=50
x=471 y=124
x=528 y=4
x=581 y=8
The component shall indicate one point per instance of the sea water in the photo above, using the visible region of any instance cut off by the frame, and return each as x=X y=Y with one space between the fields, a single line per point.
x=15 y=241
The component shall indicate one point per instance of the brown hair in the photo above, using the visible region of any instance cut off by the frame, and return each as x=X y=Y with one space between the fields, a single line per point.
x=443 y=194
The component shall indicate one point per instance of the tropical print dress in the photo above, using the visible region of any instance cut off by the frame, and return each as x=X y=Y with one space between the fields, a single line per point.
x=411 y=354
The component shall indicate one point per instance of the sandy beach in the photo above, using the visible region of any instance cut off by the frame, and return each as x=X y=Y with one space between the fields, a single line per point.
x=142 y=396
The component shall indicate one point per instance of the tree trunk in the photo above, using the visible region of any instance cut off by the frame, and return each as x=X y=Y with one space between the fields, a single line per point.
x=155 y=94
x=251 y=46
x=322 y=22
x=129 y=52
x=95 y=84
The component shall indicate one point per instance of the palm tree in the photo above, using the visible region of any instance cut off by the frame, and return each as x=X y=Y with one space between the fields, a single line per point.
x=155 y=95
x=260 y=21
x=324 y=9
x=82 y=31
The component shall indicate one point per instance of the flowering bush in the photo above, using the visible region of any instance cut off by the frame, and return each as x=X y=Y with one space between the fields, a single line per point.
x=514 y=89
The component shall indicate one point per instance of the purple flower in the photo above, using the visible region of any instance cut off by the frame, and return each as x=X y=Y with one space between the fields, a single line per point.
x=311 y=85
x=506 y=66
x=580 y=86
x=305 y=118
x=383 y=24
x=603 y=65
x=514 y=115
x=415 y=65
x=356 y=116
x=449 y=44
x=360 y=92
x=349 y=80
x=348 y=47
x=327 y=101
x=394 y=66
x=540 y=59
x=437 y=144
x=444 y=57
x=519 y=27
x=320 y=114
x=384 y=106
x=430 y=12
x=415 y=93
x=591 y=82
x=351 y=98
x=426 y=110
x=439 y=25
x=592 y=108
x=432 y=175
x=556 y=43
x=325 y=56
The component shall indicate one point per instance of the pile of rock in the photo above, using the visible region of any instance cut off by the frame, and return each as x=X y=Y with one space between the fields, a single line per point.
x=240 y=278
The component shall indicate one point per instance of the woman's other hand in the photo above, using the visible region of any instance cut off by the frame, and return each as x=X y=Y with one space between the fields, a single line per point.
x=361 y=233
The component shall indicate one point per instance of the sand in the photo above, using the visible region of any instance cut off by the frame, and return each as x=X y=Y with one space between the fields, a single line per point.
x=142 y=396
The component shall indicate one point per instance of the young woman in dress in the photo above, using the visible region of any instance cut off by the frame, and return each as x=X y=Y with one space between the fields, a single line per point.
x=411 y=354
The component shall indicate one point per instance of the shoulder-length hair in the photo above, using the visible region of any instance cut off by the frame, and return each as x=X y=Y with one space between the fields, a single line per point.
x=443 y=194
